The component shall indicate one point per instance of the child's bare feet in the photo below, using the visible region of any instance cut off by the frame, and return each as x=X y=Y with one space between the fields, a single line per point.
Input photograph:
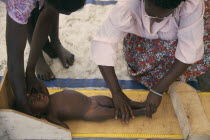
x=43 y=70
x=66 y=57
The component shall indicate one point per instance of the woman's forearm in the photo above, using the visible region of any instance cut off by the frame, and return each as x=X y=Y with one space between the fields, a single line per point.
x=39 y=38
x=177 y=69
x=110 y=77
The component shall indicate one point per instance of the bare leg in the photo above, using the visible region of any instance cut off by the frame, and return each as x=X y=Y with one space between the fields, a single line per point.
x=104 y=109
x=100 y=113
x=66 y=57
x=43 y=70
x=106 y=101
x=16 y=36
x=48 y=49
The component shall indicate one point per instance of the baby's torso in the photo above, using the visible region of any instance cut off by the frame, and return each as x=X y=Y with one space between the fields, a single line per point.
x=69 y=104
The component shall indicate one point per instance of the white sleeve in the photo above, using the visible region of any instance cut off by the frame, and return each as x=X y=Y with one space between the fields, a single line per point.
x=190 y=47
x=113 y=30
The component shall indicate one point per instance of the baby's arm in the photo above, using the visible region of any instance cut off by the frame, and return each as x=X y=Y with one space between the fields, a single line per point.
x=55 y=120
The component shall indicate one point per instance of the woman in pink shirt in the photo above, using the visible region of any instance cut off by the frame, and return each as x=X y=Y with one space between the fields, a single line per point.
x=163 y=42
x=35 y=20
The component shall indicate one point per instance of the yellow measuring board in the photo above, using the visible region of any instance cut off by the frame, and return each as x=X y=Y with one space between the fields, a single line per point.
x=107 y=91
x=127 y=136
x=163 y=125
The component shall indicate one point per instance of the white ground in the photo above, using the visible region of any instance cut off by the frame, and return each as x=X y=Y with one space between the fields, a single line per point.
x=76 y=32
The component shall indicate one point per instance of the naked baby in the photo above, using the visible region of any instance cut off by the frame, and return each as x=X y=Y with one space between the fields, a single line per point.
x=69 y=105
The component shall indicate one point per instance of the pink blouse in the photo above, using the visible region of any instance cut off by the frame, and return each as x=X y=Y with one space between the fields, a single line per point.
x=129 y=16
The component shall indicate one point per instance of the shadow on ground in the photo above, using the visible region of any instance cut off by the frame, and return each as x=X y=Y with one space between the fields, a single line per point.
x=204 y=82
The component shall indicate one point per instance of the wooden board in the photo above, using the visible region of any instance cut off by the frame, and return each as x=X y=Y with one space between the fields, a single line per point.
x=16 y=125
x=190 y=112
x=205 y=101
x=163 y=125
x=6 y=95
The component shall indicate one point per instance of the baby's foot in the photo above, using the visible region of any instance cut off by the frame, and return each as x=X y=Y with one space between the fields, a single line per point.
x=66 y=57
x=49 y=50
x=43 y=70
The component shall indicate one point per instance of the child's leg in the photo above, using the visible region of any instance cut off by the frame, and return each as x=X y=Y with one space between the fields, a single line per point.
x=47 y=48
x=16 y=37
x=104 y=101
x=66 y=57
x=102 y=108
x=43 y=70
x=99 y=113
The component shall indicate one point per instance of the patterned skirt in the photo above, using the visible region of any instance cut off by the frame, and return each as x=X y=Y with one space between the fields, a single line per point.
x=149 y=60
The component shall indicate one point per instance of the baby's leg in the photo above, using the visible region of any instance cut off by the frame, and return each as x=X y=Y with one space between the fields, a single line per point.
x=102 y=108
x=139 y=112
x=99 y=113
x=104 y=101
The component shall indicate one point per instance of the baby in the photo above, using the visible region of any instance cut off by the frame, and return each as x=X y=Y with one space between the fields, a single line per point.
x=69 y=105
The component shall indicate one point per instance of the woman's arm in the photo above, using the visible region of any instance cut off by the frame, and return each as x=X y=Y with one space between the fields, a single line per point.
x=120 y=100
x=153 y=100
x=177 y=69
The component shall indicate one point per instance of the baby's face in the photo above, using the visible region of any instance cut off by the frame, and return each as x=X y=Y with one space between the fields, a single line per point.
x=38 y=102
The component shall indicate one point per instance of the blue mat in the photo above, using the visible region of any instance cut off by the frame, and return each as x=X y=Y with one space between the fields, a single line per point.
x=84 y=83
x=100 y=2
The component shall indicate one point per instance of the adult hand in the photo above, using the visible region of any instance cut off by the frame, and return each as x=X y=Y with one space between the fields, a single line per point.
x=122 y=106
x=35 y=86
x=152 y=103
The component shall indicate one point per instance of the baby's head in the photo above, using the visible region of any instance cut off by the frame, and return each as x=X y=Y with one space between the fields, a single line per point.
x=38 y=103
x=66 y=6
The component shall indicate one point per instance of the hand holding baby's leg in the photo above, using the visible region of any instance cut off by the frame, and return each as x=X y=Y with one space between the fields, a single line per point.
x=137 y=105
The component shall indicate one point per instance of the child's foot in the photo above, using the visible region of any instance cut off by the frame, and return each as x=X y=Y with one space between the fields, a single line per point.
x=66 y=57
x=49 y=50
x=43 y=70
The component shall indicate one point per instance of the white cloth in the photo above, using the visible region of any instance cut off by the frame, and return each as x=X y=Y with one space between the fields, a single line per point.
x=128 y=16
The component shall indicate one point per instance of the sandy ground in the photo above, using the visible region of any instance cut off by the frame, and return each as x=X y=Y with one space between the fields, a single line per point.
x=76 y=32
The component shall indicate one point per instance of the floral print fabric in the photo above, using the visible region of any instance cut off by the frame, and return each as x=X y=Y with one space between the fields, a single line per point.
x=149 y=60
x=20 y=10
